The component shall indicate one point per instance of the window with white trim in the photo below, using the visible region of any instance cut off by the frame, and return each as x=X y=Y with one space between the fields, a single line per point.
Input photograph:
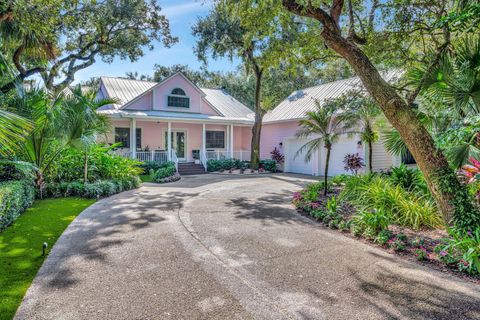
x=178 y=99
x=215 y=139
x=122 y=135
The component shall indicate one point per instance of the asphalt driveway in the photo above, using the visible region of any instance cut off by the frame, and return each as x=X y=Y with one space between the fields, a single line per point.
x=215 y=247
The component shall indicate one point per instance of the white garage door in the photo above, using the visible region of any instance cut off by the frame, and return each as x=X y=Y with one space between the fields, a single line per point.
x=340 y=149
x=296 y=164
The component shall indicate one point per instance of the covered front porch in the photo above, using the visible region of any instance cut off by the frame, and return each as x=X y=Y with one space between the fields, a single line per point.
x=162 y=140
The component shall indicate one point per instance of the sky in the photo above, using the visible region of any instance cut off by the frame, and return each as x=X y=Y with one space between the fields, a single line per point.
x=182 y=14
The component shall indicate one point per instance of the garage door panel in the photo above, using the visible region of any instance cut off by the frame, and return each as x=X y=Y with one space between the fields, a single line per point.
x=297 y=164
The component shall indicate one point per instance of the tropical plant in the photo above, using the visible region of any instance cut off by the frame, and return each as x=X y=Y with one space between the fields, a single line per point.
x=464 y=248
x=410 y=179
x=365 y=114
x=67 y=120
x=324 y=126
x=353 y=163
x=277 y=156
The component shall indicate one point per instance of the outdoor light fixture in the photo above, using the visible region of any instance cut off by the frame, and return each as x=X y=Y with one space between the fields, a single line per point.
x=44 y=248
x=359 y=143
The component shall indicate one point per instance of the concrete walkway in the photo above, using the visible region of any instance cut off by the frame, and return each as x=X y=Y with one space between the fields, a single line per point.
x=216 y=247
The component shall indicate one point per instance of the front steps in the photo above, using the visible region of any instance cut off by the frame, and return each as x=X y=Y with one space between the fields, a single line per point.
x=189 y=168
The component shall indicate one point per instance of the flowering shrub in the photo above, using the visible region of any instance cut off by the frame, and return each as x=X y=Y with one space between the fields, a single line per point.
x=462 y=249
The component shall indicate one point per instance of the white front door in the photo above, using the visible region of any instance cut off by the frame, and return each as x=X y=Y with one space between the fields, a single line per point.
x=179 y=143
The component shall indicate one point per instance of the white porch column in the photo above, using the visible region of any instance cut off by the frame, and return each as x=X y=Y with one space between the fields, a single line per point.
x=231 y=141
x=204 y=139
x=169 y=141
x=133 y=138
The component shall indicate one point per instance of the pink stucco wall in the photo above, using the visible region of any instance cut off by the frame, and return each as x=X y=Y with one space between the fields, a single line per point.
x=161 y=93
x=153 y=134
x=273 y=134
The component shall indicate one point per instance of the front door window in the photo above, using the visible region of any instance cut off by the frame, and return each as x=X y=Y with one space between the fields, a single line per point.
x=178 y=144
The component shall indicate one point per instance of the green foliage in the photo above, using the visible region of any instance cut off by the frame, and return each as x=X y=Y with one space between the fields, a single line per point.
x=373 y=192
x=103 y=164
x=98 y=189
x=370 y=223
x=164 y=172
x=332 y=205
x=383 y=237
x=463 y=248
x=224 y=164
x=466 y=216
x=17 y=170
x=15 y=197
x=340 y=179
x=410 y=179
x=148 y=166
x=269 y=165
x=21 y=246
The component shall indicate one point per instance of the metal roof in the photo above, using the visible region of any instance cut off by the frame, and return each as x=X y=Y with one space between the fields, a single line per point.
x=123 y=89
x=226 y=104
x=126 y=90
x=297 y=104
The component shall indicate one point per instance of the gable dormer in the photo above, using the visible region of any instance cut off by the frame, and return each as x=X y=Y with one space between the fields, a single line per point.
x=176 y=94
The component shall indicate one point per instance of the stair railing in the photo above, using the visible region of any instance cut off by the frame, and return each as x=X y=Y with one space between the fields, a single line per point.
x=203 y=159
x=175 y=159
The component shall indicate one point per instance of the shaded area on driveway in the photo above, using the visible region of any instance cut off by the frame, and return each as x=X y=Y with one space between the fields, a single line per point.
x=229 y=247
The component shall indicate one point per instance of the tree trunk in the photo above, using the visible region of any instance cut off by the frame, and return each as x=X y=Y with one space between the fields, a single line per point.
x=257 y=126
x=450 y=195
x=85 y=167
x=327 y=162
x=370 y=156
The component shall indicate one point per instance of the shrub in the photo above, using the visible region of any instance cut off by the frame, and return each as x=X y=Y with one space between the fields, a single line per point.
x=383 y=237
x=149 y=166
x=340 y=179
x=224 y=164
x=17 y=170
x=409 y=179
x=15 y=197
x=269 y=165
x=164 y=172
x=373 y=192
x=172 y=178
x=103 y=164
x=421 y=254
x=353 y=163
x=370 y=223
x=277 y=156
x=98 y=189
x=463 y=248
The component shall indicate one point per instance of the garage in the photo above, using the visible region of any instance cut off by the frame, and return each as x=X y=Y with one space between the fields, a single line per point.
x=345 y=145
x=297 y=164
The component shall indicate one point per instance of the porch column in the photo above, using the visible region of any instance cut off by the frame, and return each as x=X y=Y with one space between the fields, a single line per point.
x=169 y=141
x=133 y=138
x=204 y=139
x=231 y=140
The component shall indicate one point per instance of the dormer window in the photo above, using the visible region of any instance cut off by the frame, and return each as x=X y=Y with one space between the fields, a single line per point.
x=178 y=99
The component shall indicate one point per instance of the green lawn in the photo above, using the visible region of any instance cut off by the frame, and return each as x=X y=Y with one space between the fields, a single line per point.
x=146 y=178
x=21 y=246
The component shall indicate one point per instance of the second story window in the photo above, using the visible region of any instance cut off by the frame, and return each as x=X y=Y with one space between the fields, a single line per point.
x=178 y=99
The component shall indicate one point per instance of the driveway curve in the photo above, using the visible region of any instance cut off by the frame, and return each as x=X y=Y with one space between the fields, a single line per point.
x=222 y=247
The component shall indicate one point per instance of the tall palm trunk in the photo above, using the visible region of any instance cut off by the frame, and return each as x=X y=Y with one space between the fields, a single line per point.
x=85 y=167
x=370 y=156
x=327 y=162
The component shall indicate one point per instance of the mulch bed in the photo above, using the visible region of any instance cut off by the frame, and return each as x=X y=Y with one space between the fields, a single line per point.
x=431 y=238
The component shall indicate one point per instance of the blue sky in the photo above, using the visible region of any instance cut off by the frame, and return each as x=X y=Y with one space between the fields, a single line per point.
x=182 y=15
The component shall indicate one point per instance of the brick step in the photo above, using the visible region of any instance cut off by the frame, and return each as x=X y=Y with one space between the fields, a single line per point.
x=190 y=168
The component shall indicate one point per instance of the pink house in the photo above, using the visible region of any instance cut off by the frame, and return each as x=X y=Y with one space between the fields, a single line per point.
x=176 y=120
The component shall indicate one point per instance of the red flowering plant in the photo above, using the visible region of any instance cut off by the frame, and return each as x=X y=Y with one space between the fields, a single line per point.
x=277 y=156
x=471 y=175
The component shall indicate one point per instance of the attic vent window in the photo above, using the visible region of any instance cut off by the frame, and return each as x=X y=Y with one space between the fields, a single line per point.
x=178 y=99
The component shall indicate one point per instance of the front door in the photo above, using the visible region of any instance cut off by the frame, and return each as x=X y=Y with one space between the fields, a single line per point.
x=179 y=139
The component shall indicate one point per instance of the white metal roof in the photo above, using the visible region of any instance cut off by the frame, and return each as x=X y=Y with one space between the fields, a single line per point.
x=295 y=106
x=126 y=90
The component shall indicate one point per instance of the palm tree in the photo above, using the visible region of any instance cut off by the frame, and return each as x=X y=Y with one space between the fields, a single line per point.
x=83 y=121
x=13 y=128
x=324 y=126
x=66 y=120
x=362 y=112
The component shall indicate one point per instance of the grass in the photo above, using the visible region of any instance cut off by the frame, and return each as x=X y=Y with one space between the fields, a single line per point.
x=21 y=246
x=146 y=178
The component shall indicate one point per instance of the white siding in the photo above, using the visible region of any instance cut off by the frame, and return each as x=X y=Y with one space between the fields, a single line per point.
x=381 y=160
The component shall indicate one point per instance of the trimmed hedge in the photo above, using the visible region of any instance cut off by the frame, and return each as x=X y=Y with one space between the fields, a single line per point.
x=224 y=164
x=15 y=197
x=149 y=166
x=102 y=188
x=269 y=165
x=167 y=173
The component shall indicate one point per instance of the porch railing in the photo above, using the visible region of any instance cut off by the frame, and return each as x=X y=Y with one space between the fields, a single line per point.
x=159 y=156
x=203 y=160
x=175 y=159
x=242 y=155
